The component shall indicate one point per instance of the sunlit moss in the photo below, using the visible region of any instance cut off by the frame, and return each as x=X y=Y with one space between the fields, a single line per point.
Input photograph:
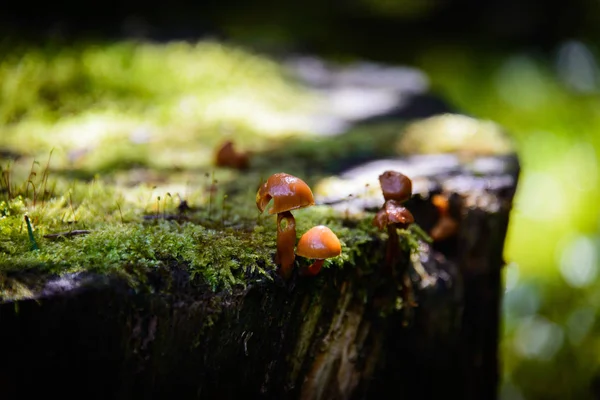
x=81 y=100
x=113 y=138
x=135 y=226
x=454 y=133
x=213 y=252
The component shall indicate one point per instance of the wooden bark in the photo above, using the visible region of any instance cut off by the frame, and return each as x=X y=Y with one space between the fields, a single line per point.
x=335 y=337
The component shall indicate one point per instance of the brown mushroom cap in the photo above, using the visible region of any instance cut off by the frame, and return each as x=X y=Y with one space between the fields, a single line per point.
x=395 y=186
x=225 y=153
x=227 y=156
x=393 y=213
x=288 y=193
x=319 y=242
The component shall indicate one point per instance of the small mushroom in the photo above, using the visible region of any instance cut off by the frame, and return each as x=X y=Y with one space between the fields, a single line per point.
x=446 y=226
x=395 y=186
x=318 y=243
x=396 y=189
x=227 y=156
x=393 y=214
x=288 y=193
x=391 y=217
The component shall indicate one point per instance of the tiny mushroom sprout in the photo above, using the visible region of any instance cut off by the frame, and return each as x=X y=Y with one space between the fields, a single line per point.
x=288 y=193
x=318 y=243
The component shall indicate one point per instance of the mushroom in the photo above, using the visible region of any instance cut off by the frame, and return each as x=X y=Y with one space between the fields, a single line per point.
x=319 y=243
x=396 y=188
x=227 y=156
x=393 y=216
x=446 y=226
x=392 y=213
x=288 y=193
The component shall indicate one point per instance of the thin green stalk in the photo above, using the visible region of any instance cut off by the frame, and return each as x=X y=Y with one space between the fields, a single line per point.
x=34 y=245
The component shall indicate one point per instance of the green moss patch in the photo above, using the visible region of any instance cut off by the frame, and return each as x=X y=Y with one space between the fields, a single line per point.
x=97 y=139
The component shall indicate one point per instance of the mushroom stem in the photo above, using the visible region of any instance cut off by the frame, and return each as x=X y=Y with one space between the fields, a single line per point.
x=392 y=256
x=314 y=268
x=286 y=240
x=393 y=248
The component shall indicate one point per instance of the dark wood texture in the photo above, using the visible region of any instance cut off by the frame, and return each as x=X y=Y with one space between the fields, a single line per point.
x=335 y=337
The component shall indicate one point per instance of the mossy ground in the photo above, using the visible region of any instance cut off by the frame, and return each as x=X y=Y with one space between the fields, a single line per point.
x=112 y=138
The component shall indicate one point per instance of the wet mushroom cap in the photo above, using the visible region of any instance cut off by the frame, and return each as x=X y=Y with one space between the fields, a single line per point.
x=319 y=242
x=395 y=186
x=393 y=213
x=287 y=191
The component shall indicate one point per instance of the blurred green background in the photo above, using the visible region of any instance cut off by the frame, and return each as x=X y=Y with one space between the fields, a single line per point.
x=531 y=67
x=551 y=346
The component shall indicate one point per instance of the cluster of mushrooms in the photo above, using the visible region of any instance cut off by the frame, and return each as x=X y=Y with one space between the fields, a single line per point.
x=319 y=243
x=290 y=193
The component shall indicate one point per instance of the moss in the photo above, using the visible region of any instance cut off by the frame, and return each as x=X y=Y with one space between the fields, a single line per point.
x=14 y=290
x=91 y=99
x=454 y=133
x=222 y=242
x=139 y=159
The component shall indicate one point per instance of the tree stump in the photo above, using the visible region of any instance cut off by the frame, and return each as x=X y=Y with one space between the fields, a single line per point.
x=339 y=336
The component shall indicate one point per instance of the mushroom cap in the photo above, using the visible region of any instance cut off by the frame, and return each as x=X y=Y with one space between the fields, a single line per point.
x=227 y=156
x=225 y=151
x=287 y=191
x=393 y=213
x=395 y=186
x=441 y=203
x=319 y=242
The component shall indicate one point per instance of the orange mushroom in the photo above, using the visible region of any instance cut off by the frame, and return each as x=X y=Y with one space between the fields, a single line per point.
x=446 y=226
x=318 y=243
x=227 y=156
x=288 y=193
x=441 y=203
